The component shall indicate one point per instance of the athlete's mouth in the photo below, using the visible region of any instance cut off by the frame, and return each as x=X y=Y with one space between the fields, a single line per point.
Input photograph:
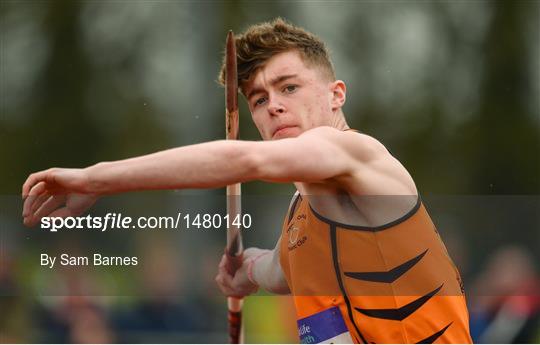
x=280 y=129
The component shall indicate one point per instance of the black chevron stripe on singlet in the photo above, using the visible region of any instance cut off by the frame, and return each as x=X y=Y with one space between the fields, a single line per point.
x=399 y=314
x=388 y=276
x=434 y=336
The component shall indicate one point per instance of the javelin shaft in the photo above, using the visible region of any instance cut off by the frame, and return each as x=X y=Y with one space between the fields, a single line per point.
x=234 y=247
x=234 y=240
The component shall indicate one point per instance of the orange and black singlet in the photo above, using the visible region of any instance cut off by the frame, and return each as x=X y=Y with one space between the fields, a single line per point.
x=393 y=283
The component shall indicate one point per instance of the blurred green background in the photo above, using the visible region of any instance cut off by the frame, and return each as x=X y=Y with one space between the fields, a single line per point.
x=451 y=87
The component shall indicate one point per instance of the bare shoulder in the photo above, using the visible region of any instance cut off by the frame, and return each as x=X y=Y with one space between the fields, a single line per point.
x=361 y=145
x=372 y=170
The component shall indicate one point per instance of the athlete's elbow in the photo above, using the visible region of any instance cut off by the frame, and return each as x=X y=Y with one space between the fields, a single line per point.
x=258 y=166
x=248 y=162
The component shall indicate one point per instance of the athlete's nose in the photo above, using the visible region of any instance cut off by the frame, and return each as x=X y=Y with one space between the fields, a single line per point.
x=275 y=107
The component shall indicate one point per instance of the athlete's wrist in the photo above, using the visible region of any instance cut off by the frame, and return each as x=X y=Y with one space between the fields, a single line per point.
x=251 y=264
x=94 y=181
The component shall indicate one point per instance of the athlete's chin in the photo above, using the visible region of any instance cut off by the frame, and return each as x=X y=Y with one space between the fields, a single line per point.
x=287 y=132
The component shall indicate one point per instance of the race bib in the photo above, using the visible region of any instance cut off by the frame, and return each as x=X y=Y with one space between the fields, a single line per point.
x=326 y=327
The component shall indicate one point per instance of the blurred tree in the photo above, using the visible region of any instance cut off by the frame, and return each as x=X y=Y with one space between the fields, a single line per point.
x=502 y=142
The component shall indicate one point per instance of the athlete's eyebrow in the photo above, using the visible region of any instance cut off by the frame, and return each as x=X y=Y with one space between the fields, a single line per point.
x=273 y=82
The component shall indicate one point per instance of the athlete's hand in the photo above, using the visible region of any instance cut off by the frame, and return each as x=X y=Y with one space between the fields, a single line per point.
x=56 y=192
x=238 y=285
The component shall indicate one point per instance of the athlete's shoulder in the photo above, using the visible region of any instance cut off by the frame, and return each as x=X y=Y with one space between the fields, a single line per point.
x=376 y=170
x=359 y=145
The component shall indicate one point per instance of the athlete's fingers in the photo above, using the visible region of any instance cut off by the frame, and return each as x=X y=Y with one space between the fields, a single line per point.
x=220 y=277
x=223 y=262
x=227 y=279
x=223 y=277
x=226 y=285
x=50 y=205
x=39 y=201
x=225 y=289
x=32 y=180
x=33 y=193
x=219 y=280
x=220 y=283
x=30 y=218
x=63 y=213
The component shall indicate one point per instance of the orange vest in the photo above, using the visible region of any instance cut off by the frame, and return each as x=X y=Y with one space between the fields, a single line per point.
x=393 y=283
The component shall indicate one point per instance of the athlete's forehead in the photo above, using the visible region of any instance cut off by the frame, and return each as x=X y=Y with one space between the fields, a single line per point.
x=284 y=66
x=285 y=63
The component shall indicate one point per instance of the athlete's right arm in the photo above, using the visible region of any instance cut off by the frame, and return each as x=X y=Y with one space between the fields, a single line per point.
x=266 y=272
x=260 y=268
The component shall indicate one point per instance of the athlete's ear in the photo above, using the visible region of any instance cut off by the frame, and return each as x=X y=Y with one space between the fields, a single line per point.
x=339 y=94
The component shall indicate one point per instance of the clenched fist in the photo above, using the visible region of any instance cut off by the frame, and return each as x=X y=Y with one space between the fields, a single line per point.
x=238 y=284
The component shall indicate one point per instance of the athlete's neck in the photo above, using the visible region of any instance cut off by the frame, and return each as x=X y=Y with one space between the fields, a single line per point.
x=339 y=122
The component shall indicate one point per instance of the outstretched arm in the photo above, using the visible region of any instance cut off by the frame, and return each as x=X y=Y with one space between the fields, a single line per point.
x=216 y=164
x=318 y=155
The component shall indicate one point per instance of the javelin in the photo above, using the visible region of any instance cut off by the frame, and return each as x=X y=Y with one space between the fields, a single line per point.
x=234 y=247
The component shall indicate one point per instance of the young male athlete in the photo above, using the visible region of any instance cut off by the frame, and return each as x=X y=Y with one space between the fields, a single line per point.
x=358 y=250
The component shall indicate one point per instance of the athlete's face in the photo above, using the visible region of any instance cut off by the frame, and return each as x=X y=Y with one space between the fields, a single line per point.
x=286 y=97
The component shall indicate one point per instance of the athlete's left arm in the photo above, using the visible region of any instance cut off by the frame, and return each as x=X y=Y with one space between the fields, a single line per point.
x=356 y=161
x=315 y=156
x=326 y=154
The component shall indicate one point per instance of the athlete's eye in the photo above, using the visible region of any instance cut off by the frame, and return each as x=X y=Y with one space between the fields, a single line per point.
x=290 y=88
x=260 y=101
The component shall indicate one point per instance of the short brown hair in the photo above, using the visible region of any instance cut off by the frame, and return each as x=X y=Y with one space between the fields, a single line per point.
x=262 y=41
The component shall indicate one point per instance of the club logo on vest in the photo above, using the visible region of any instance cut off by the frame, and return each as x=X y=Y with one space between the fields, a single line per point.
x=293 y=235
x=295 y=238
